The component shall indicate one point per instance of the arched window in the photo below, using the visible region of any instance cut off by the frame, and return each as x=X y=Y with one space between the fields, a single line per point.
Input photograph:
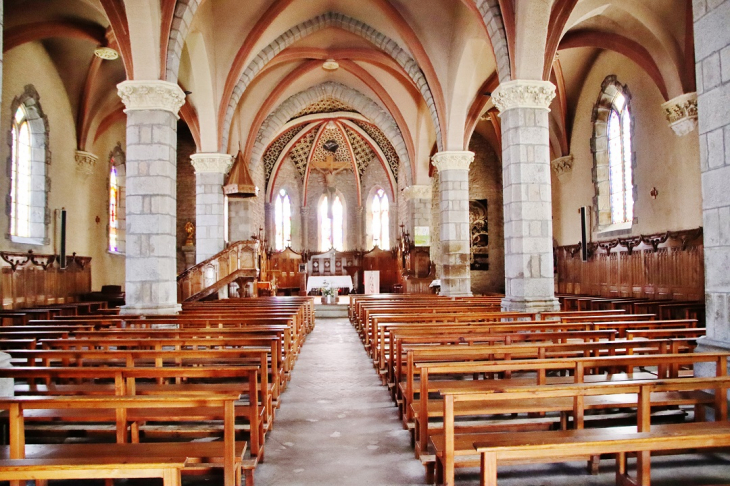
x=331 y=224
x=28 y=206
x=380 y=223
x=282 y=220
x=117 y=195
x=21 y=176
x=619 y=162
x=613 y=172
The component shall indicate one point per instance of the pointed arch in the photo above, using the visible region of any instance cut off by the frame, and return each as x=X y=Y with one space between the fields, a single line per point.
x=341 y=21
x=368 y=108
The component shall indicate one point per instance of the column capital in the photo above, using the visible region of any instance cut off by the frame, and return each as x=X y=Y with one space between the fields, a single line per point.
x=304 y=210
x=417 y=192
x=85 y=162
x=523 y=93
x=453 y=160
x=151 y=95
x=211 y=163
x=681 y=113
x=562 y=165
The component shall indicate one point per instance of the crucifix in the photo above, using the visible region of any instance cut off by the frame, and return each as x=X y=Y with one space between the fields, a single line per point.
x=329 y=168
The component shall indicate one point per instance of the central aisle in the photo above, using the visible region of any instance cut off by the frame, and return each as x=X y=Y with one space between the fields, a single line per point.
x=337 y=424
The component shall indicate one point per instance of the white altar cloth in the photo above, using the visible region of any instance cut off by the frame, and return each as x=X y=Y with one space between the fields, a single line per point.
x=334 y=281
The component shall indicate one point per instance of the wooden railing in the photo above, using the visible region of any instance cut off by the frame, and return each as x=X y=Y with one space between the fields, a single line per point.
x=240 y=259
x=30 y=279
x=660 y=266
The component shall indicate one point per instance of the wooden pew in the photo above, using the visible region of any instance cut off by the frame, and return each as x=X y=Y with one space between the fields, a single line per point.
x=578 y=368
x=557 y=446
x=121 y=410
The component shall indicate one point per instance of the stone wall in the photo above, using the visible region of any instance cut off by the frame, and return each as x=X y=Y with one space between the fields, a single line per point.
x=288 y=179
x=485 y=182
x=436 y=224
x=712 y=52
x=185 y=189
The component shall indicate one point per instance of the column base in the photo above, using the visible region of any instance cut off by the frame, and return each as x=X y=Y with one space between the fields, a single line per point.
x=526 y=305
x=150 y=309
x=706 y=370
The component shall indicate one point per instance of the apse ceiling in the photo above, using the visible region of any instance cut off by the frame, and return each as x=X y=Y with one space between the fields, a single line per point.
x=303 y=141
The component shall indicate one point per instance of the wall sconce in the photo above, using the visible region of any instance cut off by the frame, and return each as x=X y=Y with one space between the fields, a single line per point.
x=654 y=193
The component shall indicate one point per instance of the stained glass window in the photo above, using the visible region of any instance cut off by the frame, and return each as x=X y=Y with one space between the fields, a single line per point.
x=380 y=222
x=20 y=193
x=113 y=210
x=282 y=220
x=619 y=162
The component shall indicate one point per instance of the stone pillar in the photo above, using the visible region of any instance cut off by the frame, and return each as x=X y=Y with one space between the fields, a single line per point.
x=418 y=199
x=151 y=260
x=304 y=213
x=528 y=228
x=210 y=171
x=712 y=52
x=453 y=170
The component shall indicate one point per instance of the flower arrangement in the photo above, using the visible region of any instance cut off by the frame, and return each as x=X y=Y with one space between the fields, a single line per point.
x=328 y=290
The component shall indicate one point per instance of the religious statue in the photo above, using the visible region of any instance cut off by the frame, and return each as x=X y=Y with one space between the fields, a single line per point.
x=190 y=231
x=329 y=169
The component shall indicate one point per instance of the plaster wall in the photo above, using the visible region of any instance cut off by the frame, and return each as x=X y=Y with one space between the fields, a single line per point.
x=663 y=160
x=83 y=197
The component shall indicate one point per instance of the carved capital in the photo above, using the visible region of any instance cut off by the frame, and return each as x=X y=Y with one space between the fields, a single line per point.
x=85 y=162
x=151 y=95
x=681 y=113
x=456 y=160
x=522 y=93
x=216 y=163
x=304 y=211
x=562 y=165
x=417 y=192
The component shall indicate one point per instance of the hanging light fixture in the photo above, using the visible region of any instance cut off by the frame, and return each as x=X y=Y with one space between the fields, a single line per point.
x=240 y=184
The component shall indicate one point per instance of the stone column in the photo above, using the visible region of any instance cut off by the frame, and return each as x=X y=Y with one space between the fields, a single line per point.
x=304 y=213
x=712 y=52
x=528 y=228
x=210 y=171
x=453 y=170
x=418 y=199
x=151 y=260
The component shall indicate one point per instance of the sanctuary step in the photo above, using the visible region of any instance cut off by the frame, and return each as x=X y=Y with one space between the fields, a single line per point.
x=331 y=310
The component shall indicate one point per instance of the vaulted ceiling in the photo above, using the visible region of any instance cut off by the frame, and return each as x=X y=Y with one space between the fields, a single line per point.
x=408 y=78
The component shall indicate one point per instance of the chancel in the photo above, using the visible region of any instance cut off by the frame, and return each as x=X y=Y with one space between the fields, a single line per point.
x=375 y=242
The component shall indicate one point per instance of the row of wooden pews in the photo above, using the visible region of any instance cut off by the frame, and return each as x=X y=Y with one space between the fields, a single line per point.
x=168 y=395
x=481 y=388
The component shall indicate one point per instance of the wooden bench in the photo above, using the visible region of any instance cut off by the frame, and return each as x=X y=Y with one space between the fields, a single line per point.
x=557 y=446
x=121 y=410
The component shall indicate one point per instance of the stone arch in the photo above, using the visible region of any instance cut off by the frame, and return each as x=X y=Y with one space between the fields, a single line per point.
x=354 y=26
x=492 y=17
x=358 y=101
x=183 y=17
x=599 y=146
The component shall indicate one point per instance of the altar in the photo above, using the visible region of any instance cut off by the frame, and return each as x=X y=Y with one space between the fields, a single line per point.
x=334 y=281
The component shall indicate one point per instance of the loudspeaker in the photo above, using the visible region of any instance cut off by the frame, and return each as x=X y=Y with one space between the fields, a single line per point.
x=584 y=233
